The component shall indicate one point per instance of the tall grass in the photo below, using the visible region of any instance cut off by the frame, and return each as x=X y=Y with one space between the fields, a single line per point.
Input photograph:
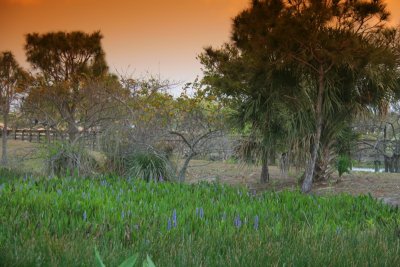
x=58 y=222
x=150 y=166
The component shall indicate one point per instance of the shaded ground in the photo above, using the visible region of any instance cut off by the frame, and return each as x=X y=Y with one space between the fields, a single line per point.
x=385 y=186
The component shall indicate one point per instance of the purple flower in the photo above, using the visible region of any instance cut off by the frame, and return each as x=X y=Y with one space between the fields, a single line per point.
x=174 y=218
x=201 y=213
x=238 y=222
x=197 y=211
x=84 y=216
x=161 y=178
x=169 y=224
x=122 y=215
x=256 y=221
x=254 y=192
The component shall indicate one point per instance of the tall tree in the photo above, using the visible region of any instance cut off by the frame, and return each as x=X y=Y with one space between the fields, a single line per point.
x=11 y=78
x=72 y=74
x=329 y=48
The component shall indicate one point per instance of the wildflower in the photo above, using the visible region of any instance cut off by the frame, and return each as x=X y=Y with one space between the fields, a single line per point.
x=169 y=224
x=238 y=222
x=161 y=179
x=174 y=218
x=122 y=215
x=59 y=192
x=201 y=213
x=84 y=216
x=254 y=192
x=197 y=211
x=256 y=220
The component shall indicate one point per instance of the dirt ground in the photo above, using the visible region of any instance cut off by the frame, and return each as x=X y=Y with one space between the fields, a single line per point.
x=385 y=186
x=28 y=157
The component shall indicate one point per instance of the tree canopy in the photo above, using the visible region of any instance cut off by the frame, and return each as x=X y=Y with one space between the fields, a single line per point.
x=320 y=59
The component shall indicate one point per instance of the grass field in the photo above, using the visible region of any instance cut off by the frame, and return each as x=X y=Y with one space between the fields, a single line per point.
x=58 y=222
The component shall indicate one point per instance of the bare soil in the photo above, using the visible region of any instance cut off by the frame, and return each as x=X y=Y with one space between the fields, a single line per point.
x=385 y=186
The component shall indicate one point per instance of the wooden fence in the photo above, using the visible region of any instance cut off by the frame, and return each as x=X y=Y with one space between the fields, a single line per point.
x=48 y=136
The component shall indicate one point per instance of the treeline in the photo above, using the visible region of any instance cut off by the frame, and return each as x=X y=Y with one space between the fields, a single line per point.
x=290 y=82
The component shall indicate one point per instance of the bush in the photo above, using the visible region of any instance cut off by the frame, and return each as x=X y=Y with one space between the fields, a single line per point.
x=344 y=164
x=66 y=159
x=150 y=166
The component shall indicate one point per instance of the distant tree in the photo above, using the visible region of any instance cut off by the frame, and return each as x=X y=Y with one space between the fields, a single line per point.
x=197 y=121
x=73 y=87
x=322 y=58
x=12 y=77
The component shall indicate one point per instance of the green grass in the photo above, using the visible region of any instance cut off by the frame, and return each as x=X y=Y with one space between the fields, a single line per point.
x=58 y=222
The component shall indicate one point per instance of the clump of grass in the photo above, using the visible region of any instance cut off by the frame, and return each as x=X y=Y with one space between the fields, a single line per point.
x=149 y=166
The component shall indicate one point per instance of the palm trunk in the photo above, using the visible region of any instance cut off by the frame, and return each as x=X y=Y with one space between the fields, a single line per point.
x=264 y=170
x=4 y=139
x=308 y=180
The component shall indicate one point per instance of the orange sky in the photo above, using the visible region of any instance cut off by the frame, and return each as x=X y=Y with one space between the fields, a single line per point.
x=158 y=36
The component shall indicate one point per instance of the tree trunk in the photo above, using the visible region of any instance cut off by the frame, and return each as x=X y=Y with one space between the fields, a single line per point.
x=386 y=162
x=182 y=173
x=264 y=170
x=323 y=169
x=4 y=140
x=284 y=164
x=308 y=180
x=72 y=132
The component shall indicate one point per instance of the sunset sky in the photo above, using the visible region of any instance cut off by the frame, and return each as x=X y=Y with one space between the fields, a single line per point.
x=156 y=36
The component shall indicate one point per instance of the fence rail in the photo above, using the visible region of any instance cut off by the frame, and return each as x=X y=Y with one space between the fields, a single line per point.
x=48 y=136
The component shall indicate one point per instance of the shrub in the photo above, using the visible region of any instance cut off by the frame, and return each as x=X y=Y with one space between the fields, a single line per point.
x=63 y=158
x=344 y=164
x=150 y=166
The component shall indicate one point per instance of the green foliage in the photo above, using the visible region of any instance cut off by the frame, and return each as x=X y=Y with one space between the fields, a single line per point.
x=149 y=166
x=292 y=67
x=66 y=55
x=129 y=262
x=57 y=222
x=344 y=164
x=7 y=175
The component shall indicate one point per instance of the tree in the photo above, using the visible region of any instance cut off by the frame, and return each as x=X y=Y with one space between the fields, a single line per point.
x=11 y=79
x=196 y=121
x=73 y=85
x=334 y=55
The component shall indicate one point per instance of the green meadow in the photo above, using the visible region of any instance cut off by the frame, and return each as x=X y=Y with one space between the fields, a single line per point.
x=60 y=221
